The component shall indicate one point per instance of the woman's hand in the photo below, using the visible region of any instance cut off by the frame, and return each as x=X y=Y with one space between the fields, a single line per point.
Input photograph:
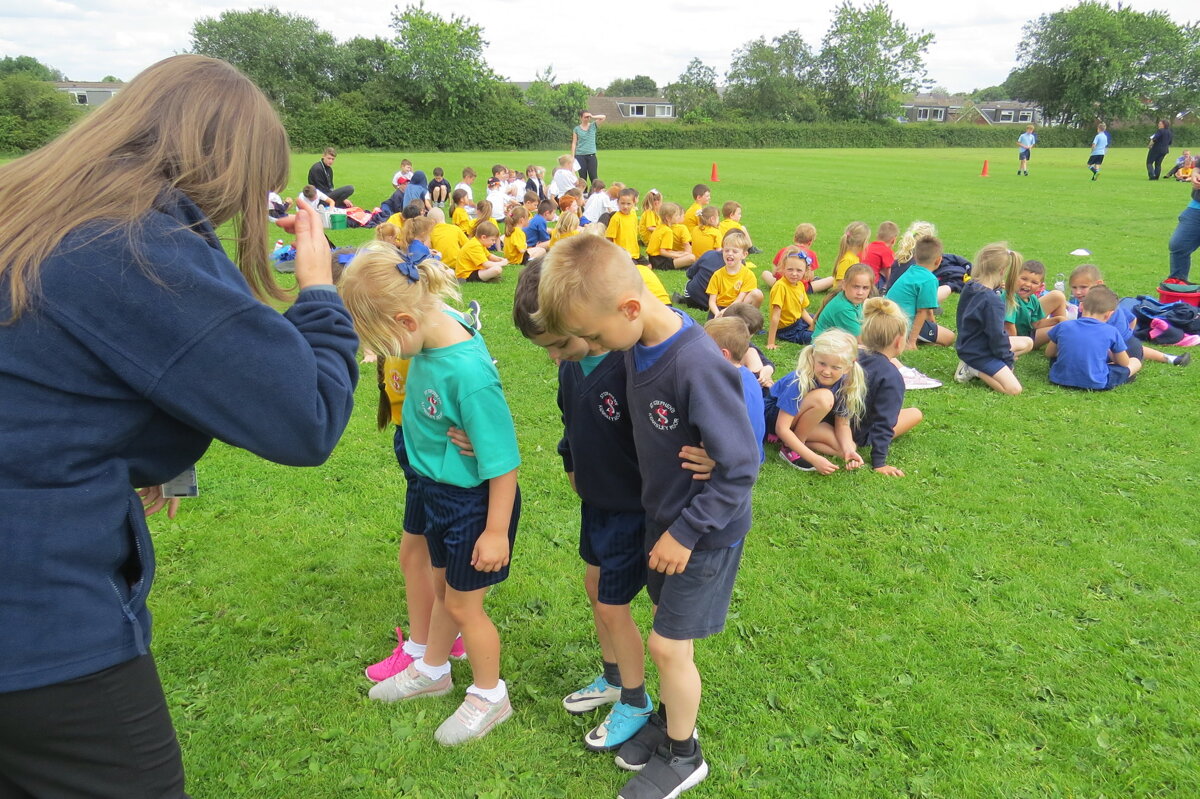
x=312 y=250
x=153 y=501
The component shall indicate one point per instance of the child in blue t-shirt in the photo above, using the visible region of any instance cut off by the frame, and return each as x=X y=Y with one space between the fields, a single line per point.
x=733 y=337
x=472 y=504
x=1085 y=277
x=1088 y=353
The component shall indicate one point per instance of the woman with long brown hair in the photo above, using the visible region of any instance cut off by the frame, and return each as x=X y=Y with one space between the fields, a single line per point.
x=128 y=341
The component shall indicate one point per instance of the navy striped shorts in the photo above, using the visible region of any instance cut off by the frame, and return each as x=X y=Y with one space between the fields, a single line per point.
x=414 y=507
x=614 y=541
x=456 y=518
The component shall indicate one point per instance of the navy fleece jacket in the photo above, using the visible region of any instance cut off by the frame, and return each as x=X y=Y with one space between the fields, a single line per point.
x=119 y=377
x=981 y=334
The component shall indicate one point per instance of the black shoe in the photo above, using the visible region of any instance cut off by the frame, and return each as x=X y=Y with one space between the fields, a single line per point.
x=753 y=250
x=1183 y=359
x=666 y=775
x=637 y=751
x=678 y=299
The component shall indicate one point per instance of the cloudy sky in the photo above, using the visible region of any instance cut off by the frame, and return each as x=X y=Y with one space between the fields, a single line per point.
x=593 y=42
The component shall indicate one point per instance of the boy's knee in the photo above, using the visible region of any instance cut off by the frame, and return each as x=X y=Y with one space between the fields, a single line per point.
x=613 y=613
x=668 y=650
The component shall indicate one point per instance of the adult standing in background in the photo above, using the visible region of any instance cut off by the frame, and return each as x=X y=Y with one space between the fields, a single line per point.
x=1160 y=145
x=1186 y=238
x=129 y=341
x=321 y=176
x=583 y=145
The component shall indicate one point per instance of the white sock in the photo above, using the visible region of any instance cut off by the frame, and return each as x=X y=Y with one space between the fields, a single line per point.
x=414 y=650
x=432 y=672
x=1172 y=358
x=492 y=695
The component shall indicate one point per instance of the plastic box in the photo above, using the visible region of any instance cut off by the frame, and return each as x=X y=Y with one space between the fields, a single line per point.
x=1191 y=298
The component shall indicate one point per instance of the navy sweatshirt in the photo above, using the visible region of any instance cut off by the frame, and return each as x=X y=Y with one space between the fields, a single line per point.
x=691 y=394
x=981 y=334
x=885 y=398
x=598 y=426
x=699 y=273
x=119 y=377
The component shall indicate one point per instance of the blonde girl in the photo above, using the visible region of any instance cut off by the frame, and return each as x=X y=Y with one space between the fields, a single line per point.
x=664 y=251
x=650 y=218
x=414 y=238
x=985 y=350
x=461 y=215
x=884 y=331
x=811 y=409
x=568 y=226
x=850 y=249
x=843 y=309
x=906 y=245
x=472 y=503
x=387 y=233
x=516 y=245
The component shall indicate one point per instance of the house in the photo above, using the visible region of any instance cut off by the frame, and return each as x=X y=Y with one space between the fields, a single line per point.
x=618 y=110
x=89 y=93
x=933 y=108
x=959 y=108
x=1007 y=112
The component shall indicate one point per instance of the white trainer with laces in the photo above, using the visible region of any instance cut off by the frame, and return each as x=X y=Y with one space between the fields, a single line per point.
x=474 y=718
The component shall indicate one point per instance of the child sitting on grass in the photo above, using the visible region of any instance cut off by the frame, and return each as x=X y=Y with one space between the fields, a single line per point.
x=706 y=236
x=1088 y=352
x=475 y=262
x=916 y=292
x=985 y=350
x=812 y=409
x=664 y=251
x=736 y=282
x=790 y=319
x=879 y=255
x=1083 y=279
x=516 y=248
x=762 y=367
x=623 y=225
x=701 y=196
x=851 y=248
x=733 y=339
x=1033 y=315
x=884 y=416
x=802 y=240
x=649 y=219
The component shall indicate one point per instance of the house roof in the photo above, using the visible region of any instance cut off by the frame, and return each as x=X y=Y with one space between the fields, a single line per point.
x=82 y=84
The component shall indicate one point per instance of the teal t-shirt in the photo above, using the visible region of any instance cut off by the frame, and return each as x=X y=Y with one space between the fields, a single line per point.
x=914 y=290
x=1025 y=314
x=585 y=143
x=841 y=314
x=458 y=386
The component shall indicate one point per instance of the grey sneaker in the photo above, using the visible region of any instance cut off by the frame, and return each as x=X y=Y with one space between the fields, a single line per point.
x=474 y=718
x=474 y=314
x=964 y=373
x=598 y=693
x=410 y=684
x=666 y=776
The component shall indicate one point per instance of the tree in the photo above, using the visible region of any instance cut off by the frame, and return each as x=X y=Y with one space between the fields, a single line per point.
x=441 y=64
x=32 y=112
x=372 y=66
x=869 y=61
x=110 y=79
x=287 y=56
x=562 y=101
x=775 y=80
x=990 y=94
x=28 y=65
x=637 y=86
x=1092 y=62
x=694 y=93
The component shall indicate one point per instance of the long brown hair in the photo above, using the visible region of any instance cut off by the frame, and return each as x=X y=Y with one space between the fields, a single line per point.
x=189 y=123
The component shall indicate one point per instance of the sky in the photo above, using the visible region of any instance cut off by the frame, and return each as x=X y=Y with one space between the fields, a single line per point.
x=974 y=47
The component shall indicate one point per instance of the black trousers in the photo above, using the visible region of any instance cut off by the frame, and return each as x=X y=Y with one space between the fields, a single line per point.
x=104 y=735
x=587 y=167
x=1154 y=164
x=340 y=195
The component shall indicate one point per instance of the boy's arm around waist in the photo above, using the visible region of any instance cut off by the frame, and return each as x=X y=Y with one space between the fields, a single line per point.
x=716 y=407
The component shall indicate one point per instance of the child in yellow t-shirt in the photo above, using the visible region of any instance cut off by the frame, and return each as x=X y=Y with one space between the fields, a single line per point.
x=516 y=247
x=475 y=263
x=623 y=225
x=701 y=196
x=731 y=213
x=850 y=250
x=446 y=239
x=736 y=281
x=790 y=319
x=460 y=216
x=650 y=219
x=666 y=248
x=568 y=226
x=707 y=236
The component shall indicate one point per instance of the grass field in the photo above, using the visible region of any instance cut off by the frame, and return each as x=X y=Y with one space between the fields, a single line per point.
x=1017 y=617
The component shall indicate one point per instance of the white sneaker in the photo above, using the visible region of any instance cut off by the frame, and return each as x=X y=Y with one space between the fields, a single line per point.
x=915 y=380
x=409 y=684
x=964 y=373
x=474 y=718
x=598 y=693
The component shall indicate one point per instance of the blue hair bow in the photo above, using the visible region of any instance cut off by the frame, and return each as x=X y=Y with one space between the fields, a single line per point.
x=409 y=269
x=417 y=252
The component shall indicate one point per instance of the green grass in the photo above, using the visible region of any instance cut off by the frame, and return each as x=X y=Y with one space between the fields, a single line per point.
x=1015 y=618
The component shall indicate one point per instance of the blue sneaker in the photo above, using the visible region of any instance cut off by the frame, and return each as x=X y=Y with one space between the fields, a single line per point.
x=596 y=694
x=474 y=314
x=622 y=723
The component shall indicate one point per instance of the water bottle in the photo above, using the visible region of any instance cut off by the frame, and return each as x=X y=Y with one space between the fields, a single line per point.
x=1060 y=283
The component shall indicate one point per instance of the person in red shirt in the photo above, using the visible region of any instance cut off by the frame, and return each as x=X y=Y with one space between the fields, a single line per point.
x=879 y=255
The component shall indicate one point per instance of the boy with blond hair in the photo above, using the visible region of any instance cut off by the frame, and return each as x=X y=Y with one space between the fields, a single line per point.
x=680 y=391
x=736 y=282
x=623 y=227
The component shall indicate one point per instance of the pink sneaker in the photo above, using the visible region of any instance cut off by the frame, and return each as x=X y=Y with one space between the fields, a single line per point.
x=391 y=665
x=458 y=651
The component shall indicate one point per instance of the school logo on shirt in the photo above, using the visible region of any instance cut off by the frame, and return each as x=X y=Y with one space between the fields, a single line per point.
x=610 y=409
x=662 y=415
x=397 y=380
x=432 y=404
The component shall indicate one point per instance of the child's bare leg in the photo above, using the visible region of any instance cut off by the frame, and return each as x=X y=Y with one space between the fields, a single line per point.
x=482 y=641
x=823 y=440
x=1054 y=304
x=943 y=293
x=418 y=585
x=1003 y=381
x=624 y=641
x=679 y=684
x=535 y=252
x=684 y=261
x=443 y=629
x=591 y=583
x=755 y=298
x=815 y=406
x=1020 y=345
x=489 y=273
x=907 y=420
x=821 y=283
x=1150 y=354
x=1040 y=337
x=1135 y=366
x=945 y=336
x=768 y=277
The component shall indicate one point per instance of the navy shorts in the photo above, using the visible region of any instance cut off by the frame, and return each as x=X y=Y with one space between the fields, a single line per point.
x=614 y=541
x=414 y=507
x=457 y=517
x=1117 y=375
x=797 y=332
x=664 y=262
x=928 y=332
x=1134 y=348
x=988 y=366
x=693 y=604
x=1024 y=155
x=1095 y=159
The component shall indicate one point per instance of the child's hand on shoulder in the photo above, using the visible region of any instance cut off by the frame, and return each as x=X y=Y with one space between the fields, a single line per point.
x=458 y=437
x=890 y=471
x=491 y=551
x=668 y=555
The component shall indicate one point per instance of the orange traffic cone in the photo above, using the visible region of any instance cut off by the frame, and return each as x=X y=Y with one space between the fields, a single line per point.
x=984 y=173
x=714 y=178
